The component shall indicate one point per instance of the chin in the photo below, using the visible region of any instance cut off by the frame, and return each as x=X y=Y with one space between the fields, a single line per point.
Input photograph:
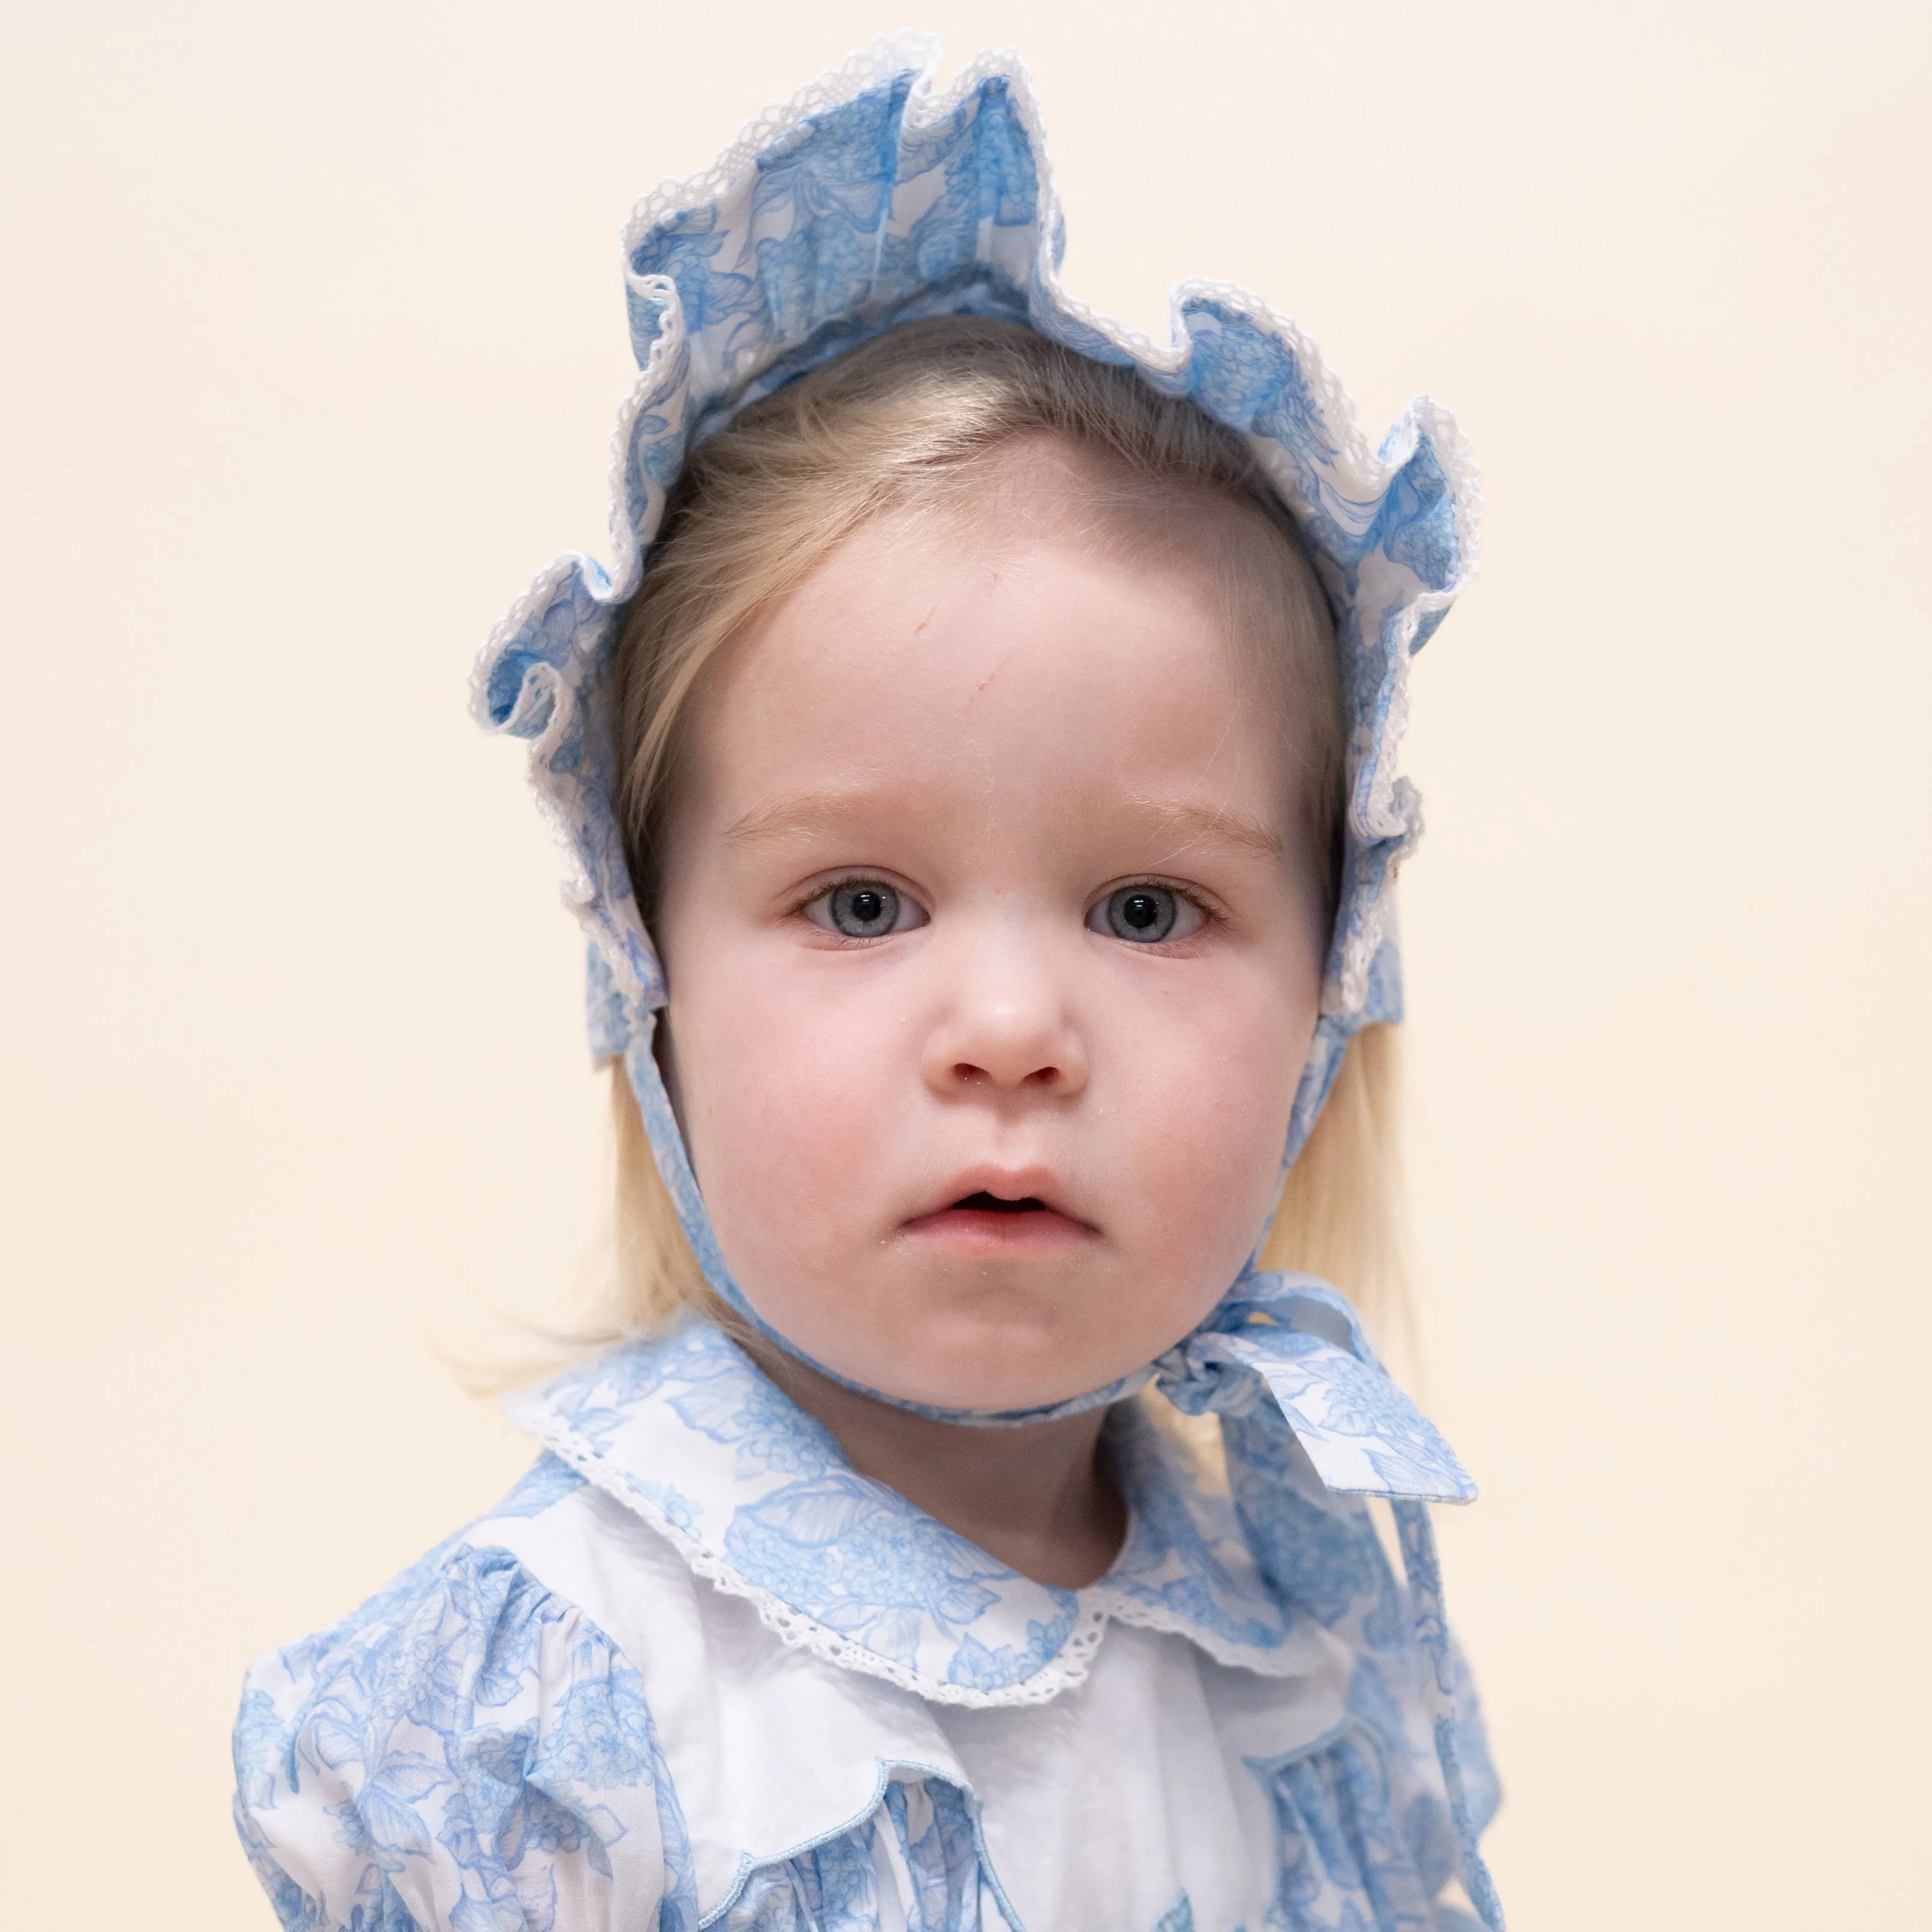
x=1003 y=1372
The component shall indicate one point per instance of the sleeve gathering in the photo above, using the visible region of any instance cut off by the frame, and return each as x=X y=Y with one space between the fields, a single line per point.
x=466 y=1750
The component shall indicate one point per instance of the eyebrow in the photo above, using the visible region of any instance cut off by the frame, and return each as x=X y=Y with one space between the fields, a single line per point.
x=1189 y=823
x=1196 y=824
x=789 y=818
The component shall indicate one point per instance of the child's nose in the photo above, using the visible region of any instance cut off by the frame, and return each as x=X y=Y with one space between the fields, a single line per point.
x=1012 y=1036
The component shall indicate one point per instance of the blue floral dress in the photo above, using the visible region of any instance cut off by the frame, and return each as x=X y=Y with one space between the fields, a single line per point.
x=694 y=1671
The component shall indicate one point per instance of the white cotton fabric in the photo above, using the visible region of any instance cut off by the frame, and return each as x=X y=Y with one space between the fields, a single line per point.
x=1086 y=1829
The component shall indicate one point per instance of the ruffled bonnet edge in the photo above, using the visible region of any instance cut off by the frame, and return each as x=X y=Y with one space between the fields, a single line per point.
x=874 y=197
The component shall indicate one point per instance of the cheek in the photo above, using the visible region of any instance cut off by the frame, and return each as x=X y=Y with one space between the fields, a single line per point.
x=1206 y=1104
x=786 y=1099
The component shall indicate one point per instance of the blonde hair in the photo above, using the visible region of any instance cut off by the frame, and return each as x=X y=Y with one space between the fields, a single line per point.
x=895 y=426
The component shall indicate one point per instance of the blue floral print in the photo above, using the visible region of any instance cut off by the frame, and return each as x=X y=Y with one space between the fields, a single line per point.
x=1341 y=1843
x=462 y=1751
x=470 y=1749
x=922 y=1835
x=772 y=1501
x=848 y=1551
x=1290 y=1342
x=766 y=1492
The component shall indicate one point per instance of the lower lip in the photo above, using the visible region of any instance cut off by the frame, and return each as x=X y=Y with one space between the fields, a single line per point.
x=974 y=1231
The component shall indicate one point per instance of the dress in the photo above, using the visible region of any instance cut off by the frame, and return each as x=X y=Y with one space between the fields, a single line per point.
x=694 y=1670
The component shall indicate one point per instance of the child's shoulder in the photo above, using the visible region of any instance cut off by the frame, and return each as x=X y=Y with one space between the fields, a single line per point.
x=466 y=1566
x=461 y=1734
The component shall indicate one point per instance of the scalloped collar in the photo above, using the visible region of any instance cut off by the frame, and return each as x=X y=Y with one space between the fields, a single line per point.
x=686 y=1430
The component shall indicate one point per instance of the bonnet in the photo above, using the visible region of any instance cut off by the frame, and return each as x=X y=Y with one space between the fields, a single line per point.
x=875 y=198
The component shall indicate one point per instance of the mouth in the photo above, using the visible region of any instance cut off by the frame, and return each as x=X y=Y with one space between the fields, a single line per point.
x=984 y=1222
x=983 y=1203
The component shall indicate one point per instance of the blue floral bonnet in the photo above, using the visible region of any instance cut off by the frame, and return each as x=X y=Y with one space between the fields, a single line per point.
x=875 y=198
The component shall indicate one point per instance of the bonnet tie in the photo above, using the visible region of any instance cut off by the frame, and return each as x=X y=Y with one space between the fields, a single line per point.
x=1285 y=1363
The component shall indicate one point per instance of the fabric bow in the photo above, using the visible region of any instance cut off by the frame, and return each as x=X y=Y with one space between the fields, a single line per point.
x=1284 y=1362
x=1293 y=1337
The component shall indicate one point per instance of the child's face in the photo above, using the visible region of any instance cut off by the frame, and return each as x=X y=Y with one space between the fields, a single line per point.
x=986 y=880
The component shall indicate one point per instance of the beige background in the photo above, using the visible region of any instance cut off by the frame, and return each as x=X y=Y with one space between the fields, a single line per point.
x=312 y=342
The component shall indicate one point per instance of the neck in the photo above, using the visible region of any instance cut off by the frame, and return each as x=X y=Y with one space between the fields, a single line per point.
x=1038 y=1498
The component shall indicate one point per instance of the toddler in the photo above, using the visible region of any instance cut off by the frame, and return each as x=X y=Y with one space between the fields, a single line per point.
x=979 y=767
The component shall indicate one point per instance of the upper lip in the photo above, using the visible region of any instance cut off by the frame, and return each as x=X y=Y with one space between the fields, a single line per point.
x=1007 y=1184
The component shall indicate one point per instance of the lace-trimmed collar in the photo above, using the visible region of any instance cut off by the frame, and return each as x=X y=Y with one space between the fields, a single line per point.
x=759 y=1499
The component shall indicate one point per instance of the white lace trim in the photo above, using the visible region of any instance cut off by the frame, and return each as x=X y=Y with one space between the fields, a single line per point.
x=1263 y=1662
x=1099 y=1602
x=793 y=1626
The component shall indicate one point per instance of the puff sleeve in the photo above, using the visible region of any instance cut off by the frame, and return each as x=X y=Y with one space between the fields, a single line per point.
x=466 y=1750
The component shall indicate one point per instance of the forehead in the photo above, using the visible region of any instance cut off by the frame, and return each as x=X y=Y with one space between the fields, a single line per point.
x=1027 y=651
x=1045 y=479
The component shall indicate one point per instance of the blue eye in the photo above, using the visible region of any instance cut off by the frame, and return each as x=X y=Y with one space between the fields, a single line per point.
x=1146 y=914
x=864 y=909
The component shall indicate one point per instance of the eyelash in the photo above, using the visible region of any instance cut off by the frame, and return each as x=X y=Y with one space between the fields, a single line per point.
x=1211 y=914
x=826 y=887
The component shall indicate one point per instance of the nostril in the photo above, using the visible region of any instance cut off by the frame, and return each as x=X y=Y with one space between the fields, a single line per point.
x=966 y=1075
